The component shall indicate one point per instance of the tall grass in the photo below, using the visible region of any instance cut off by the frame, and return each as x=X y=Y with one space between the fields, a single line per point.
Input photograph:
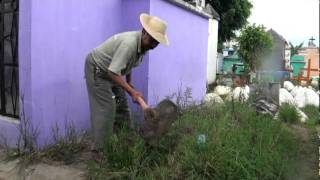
x=248 y=147
x=288 y=113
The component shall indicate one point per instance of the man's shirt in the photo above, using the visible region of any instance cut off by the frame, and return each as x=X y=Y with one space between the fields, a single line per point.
x=120 y=53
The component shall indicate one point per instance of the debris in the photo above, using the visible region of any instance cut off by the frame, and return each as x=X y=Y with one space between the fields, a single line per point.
x=158 y=121
x=265 y=105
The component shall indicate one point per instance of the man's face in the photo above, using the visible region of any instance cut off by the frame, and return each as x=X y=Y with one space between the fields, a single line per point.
x=148 y=42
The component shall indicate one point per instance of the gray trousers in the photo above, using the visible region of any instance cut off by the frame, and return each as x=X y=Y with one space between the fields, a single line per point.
x=108 y=103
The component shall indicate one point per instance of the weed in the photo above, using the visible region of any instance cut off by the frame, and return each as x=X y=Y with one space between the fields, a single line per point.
x=288 y=113
x=67 y=147
x=313 y=114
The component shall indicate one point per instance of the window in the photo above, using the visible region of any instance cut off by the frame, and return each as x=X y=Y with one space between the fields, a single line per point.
x=9 y=78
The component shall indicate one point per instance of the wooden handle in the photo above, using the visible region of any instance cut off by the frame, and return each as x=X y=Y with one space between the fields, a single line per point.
x=142 y=103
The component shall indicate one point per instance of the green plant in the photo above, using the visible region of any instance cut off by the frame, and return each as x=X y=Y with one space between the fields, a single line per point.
x=295 y=49
x=313 y=114
x=288 y=113
x=255 y=44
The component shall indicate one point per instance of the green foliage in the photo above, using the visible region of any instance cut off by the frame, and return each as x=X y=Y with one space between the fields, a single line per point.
x=313 y=114
x=288 y=113
x=295 y=49
x=255 y=44
x=250 y=147
x=233 y=16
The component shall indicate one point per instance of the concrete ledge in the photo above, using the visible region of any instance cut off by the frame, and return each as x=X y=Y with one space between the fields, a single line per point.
x=9 y=119
x=191 y=8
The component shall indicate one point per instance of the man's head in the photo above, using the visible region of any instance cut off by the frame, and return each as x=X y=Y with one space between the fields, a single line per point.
x=147 y=41
x=153 y=33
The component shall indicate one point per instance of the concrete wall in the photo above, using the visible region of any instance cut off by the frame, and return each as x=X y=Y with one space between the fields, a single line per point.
x=212 y=51
x=184 y=63
x=313 y=54
x=54 y=39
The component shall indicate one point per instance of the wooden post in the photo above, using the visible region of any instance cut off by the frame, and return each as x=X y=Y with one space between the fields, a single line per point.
x=308 y=70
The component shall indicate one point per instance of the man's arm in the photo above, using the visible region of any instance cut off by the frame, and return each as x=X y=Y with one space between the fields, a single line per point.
x=118 y=79
x=128 y=78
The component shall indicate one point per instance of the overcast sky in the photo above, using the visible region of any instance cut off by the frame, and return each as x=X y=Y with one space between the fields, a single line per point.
x=295 y=20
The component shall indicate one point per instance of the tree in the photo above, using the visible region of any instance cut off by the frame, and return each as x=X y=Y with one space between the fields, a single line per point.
x=295 y=49
x=255 y=44
x=233 y=16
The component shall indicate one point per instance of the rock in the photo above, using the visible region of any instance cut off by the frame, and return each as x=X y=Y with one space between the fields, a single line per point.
x=288 y=85
x=222 y=90
x=212 y=98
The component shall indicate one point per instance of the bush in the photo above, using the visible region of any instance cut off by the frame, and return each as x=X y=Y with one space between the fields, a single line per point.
x=288 y=113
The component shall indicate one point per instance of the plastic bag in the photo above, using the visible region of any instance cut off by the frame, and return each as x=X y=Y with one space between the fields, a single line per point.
x=285 y=97
x=288 y=85
x=212 y=98
x=222 y=90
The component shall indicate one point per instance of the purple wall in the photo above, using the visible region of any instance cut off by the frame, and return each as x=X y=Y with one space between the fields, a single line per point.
x=55 y=37
x=183 y=64
x=131 y=10
x=63 y=32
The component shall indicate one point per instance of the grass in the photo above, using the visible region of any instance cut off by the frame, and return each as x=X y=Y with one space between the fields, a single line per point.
x=313 y=114
x=288 y=113
x=247 y=147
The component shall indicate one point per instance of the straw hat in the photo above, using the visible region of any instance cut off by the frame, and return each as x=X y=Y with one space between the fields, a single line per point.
x=156 y=27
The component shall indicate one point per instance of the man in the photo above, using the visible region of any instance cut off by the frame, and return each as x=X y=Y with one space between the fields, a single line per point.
x=104 y=69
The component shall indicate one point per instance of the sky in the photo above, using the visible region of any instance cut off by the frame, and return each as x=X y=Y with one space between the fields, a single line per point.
x=295 y=20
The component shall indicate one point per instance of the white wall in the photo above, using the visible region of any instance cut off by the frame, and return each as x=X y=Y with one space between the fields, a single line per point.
x=212 y=51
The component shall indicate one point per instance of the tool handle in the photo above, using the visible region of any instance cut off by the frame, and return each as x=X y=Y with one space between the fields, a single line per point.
x=142 y=103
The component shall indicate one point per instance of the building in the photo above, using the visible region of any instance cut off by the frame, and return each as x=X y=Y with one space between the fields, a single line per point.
x=55 y=37
x=311 y=53
x=277 y=60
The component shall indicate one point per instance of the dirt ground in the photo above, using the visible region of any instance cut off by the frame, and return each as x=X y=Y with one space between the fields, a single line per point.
x=42 y=170
x=307 y=167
